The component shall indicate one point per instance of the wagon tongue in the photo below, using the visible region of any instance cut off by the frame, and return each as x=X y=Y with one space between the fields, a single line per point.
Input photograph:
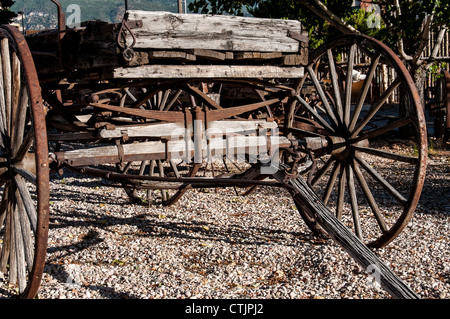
x=308 y=201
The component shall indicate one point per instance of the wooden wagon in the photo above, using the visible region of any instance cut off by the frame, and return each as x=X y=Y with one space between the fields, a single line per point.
x=160 y=103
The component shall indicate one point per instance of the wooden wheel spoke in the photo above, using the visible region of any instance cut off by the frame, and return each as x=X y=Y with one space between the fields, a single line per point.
x=29 y=176
x=383 y=182
x=16 y=81
x=3 y=118
x=331 y=181
x=353 y=202
x=19 y=247
x=161 y=174
x=323 y=97
x=23 y=149
x=138 y=103
x=173 y=99
x=341 y=193
x=322 y=171
x=388 y=155
x=26 y=231
x=368 y=134
x=335 y=84
x=162 y=105
x=348 y=83
x=368 y=194
x=20 y=121
x=130 y=95
x=6 y=245
x=376 y=107
x=4 y=204
x=28 y=203
x=142 y=167
x=364 y=91
x=12 y=278
x=6 y=67
x=175 y=169
x=315 y=114
x=203 y=97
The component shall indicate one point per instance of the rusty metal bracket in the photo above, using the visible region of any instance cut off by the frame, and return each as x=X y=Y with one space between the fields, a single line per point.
x=298 y=36
x=135 y=24
x=127 y=50
x=61 y=29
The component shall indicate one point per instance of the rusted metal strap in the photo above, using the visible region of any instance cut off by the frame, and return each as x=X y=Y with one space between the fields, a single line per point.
x=298 y=36
x=179 y=117
x=195 y=182
x=120 y=152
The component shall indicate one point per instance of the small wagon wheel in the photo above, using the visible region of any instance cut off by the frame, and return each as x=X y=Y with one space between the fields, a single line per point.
x=163 y=97
x=24 y=207
x=178 y=96
x=354 y=168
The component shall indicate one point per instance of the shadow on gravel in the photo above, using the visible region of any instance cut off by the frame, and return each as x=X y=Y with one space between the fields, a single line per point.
x=436 y=190
x=61 y=275
x=97 y=222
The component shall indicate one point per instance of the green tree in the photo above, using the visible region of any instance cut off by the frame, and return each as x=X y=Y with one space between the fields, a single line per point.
x=306 y=11
x=409 y=25
x=6 y=15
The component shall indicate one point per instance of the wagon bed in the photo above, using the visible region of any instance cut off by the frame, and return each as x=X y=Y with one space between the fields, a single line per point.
x=163 y=45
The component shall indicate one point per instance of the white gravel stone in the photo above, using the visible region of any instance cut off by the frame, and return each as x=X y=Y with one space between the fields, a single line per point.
x=217 y=245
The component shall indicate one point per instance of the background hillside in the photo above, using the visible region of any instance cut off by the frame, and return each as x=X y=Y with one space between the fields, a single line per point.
x=41 y=14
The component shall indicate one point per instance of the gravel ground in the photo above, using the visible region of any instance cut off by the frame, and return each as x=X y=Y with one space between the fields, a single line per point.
x=218 y=245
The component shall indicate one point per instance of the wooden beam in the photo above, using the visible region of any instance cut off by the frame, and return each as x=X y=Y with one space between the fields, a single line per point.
x=177 y=55
x=208 y=54
x=165 y=30
x=180 y=147
x=167 y=129
x=206 y=72
x=257 y=55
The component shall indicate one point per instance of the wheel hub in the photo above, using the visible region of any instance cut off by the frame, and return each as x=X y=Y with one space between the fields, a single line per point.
x=342 y=148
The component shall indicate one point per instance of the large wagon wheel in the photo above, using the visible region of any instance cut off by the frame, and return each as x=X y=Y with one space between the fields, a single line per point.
x=355 y=168
x=24 y=207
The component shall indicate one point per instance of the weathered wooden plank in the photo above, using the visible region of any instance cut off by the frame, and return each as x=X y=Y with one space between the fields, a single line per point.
x=307 y=200
x=178 y=55
x=181 y=148
x=293 y=59
x=165 y=30
x=257 y=55
x=209 y=54
x=169 y=129
x=207 y=71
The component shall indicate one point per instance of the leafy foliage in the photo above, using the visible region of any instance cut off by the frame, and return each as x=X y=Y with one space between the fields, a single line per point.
x=318 y=29
x=6 y=15
x=407 y=25
x=406 y=21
